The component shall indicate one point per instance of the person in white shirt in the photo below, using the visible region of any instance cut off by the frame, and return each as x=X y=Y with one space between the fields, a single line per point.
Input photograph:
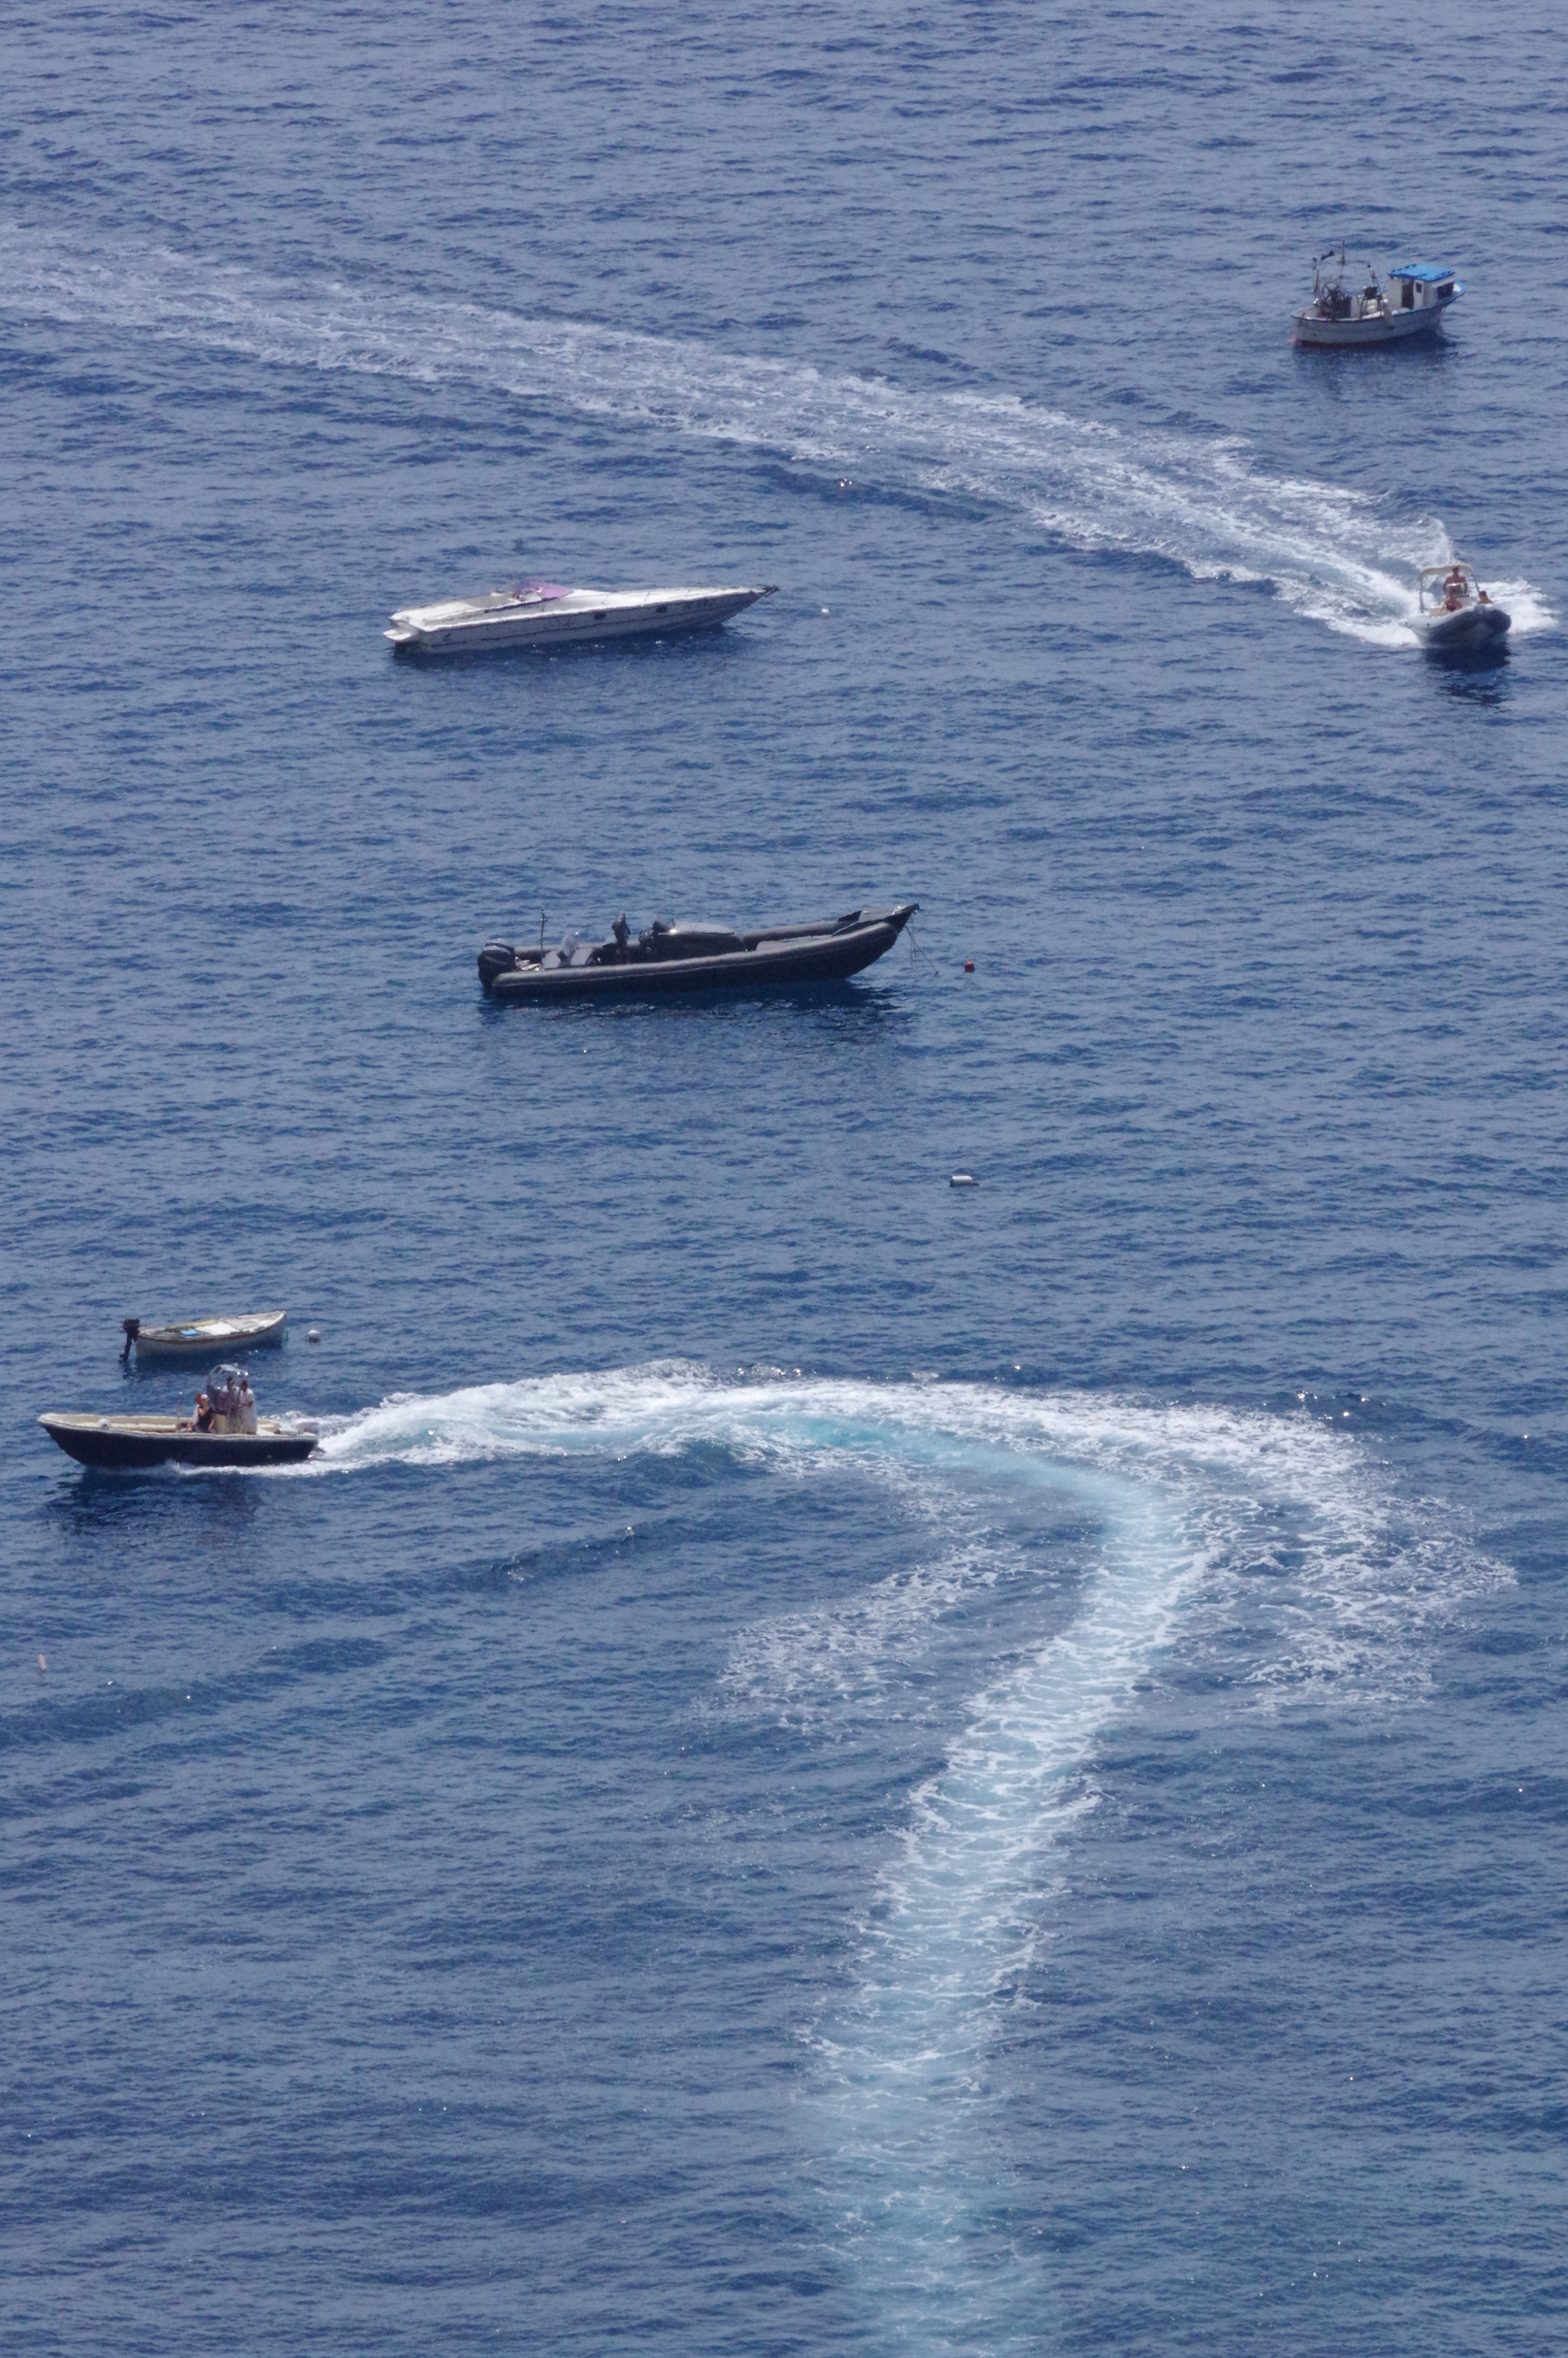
x=245 y=1405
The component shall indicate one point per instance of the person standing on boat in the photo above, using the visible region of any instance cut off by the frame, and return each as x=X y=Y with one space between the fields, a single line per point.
x=245 y=1404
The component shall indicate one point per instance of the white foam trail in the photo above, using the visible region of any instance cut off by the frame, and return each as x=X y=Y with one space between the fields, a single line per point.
x=1335 y=556
x=1316 y=1569
x=1270 y=1551
x=911 y=2099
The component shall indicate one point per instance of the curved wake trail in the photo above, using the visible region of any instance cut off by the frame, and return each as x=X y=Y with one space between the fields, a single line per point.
x=1264 y=1548
x=1331 y=554
x=1314 y=1574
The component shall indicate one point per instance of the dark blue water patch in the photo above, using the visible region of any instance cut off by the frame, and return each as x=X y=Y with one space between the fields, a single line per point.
x=483 y=1800
x=119 y=1710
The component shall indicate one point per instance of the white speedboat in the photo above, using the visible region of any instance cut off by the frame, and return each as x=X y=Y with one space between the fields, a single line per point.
x=1416 y=297
x=543 y=614
x=1455 y=616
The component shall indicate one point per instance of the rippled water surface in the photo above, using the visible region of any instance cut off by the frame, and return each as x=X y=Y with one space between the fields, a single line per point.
x=819 y=1762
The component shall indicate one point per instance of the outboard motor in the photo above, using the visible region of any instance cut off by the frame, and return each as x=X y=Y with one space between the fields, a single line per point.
x=496 y=958
x=133 y=1328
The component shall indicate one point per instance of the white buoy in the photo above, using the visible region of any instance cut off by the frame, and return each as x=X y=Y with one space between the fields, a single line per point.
x=314 y=1336
x=961 y=1179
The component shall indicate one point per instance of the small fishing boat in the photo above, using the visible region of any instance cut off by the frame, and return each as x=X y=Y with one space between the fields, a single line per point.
x=544 y=614
x=1455 y=614
x=671 y=957
x=219 y=1432
x=199 y=1338
x=1353 y=314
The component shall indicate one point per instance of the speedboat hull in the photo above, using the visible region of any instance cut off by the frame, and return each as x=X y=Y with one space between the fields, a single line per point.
x=132 y=1443
x=1465 y=633
x=207 y=1338
x=540 y=616
x=778 y=957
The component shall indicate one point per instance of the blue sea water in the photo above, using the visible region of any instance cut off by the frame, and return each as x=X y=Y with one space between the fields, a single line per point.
x=820 y=1762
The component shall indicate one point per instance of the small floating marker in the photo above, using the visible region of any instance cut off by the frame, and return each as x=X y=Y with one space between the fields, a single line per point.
x=314 y=1336
x=961 y=1179
x=824 y=610
x=968 y=966
x=42 y=1664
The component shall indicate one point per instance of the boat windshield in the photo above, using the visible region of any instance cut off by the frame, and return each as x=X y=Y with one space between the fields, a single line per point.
x=1445 y=588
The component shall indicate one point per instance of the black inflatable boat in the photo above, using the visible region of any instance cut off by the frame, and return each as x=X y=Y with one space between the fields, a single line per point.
x=693 y=958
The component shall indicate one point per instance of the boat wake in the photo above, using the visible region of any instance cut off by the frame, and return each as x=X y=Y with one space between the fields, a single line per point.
x=1338 y=556
x=1267 y=1554
x=1313 y=1573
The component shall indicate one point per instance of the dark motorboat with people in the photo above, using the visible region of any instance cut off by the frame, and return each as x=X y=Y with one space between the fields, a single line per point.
x=1454 y=616
x=667 y=958
x=223 y=1429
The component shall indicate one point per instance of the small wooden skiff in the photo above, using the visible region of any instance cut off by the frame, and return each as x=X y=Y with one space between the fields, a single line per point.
x=205 y=1339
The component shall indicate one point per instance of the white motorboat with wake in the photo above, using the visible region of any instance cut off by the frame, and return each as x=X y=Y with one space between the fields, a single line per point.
x=1417 y=296
x=545 y=614
x=1454 y=616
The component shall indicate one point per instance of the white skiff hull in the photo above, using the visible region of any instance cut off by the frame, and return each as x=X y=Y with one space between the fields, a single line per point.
x=211 y=1338
x=581 y=618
